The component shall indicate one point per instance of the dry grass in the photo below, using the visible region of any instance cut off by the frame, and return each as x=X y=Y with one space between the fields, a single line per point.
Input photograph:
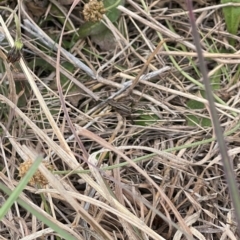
x=151 y=176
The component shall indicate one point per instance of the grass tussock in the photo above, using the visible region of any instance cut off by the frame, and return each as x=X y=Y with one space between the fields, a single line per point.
x=121 y=117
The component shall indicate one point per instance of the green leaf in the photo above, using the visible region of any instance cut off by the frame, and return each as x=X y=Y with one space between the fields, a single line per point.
x=216 y=80
x=94 y=28
x=145 y=119
x=193 y=120
x=232 y=18
x=193 y=104
x=198 y=121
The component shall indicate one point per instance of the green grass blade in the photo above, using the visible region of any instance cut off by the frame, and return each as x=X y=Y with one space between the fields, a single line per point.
x=232 y=18
x=46 y=219
x=18 y=190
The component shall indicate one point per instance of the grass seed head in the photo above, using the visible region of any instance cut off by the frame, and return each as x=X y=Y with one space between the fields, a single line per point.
x=93 y=11
x=38 y=178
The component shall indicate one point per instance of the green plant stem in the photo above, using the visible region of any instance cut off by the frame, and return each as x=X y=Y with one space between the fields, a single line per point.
x=18 y=38
x=22 y=184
